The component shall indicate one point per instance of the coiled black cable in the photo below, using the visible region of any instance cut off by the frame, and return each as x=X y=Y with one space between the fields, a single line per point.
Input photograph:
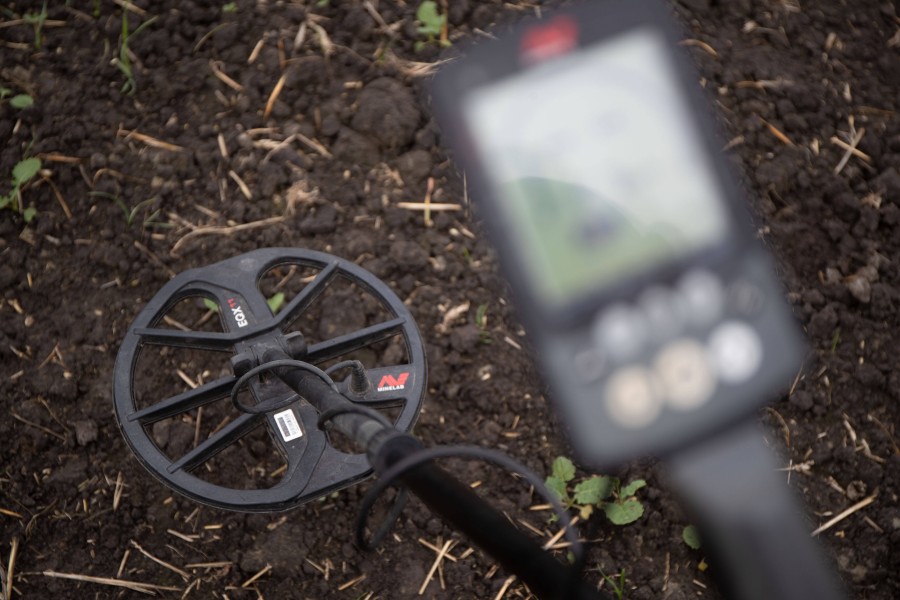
x=398 y=469
x=264 y=407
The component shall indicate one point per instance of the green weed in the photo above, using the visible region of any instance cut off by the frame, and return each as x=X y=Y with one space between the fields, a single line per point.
x=22 y=173
x=484 y=336
x=19 y=101
x=691 y=537
x=431 y=24
x=123 y=62
x=618 y=502
x=131 y=214
x=275 y=302
x=618 y=587
x=37 y=20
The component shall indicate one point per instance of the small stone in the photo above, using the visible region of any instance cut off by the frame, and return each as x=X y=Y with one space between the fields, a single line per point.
x=85 y=431
x=802 y=400
x=856 y=490
x=859 y=287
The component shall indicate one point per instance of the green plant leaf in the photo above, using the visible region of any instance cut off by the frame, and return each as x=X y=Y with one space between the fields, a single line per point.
x=29 y=213
x=480 y=315
x=630 y=489
x=623 y=513
x=431 y=21
x=691 y=537
x=563 y=468
x=593 y=490
x=25 y=170
x=276 y=302
x=616 y=582
x=211 y=305
x=557 y=486
x=21 y=101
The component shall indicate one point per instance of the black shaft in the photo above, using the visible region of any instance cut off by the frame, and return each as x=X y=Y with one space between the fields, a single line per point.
x=455 y=502
x=464 y=510
x=751 y=522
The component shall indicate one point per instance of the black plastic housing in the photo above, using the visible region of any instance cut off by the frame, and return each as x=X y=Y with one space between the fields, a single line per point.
x=314 y=466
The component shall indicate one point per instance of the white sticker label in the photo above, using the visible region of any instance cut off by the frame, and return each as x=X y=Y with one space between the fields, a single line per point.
x=288 y=425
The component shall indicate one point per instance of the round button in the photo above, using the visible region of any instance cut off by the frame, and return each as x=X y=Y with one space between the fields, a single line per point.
x=735 y=351
x=686 y=377
x=590 y=365
x=632 y=398
x=620 y=331
x=704 y=296
x=664 y=312
x=745 y=298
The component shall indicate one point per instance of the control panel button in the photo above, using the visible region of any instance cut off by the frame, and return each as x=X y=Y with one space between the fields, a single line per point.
x=664 y=312
x=632 y=397
x=735 y=350
x=685 y=374
x=590 y=365
x=704 y=296
x=620 y=331
x=745 y=298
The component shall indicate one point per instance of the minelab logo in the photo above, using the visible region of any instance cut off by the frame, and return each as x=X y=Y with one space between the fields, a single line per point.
x=389 y=383
x=237 y=312
x=541 y=42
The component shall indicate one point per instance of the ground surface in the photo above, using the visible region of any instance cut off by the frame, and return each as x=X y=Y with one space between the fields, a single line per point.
x=325 y=166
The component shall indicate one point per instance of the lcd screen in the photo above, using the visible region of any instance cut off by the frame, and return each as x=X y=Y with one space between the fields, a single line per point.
x=597 y=165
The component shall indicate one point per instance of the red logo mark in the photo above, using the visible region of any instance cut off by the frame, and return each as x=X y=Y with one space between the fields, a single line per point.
x=555 y=38
x=390 y=383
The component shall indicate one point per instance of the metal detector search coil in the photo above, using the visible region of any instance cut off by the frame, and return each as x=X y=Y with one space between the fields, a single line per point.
x=313 y=466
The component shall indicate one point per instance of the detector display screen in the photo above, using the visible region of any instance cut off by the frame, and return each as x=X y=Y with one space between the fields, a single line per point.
x=597 y=166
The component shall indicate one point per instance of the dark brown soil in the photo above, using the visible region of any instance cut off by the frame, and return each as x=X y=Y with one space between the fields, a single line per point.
x=348 y=138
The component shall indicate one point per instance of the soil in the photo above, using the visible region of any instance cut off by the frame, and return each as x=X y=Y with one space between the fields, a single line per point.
x=131 y=184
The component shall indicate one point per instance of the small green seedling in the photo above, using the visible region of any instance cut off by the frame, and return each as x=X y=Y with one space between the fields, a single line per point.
x=431 y=24
x=37 y=20
x=229 y=7
x=484 y=336
x=599 y=491
x=691 y=537
x=616 y=582
x=19 y=101
x=132 y=213
x=275 y=302
x=22 y=173
x=123 y=62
